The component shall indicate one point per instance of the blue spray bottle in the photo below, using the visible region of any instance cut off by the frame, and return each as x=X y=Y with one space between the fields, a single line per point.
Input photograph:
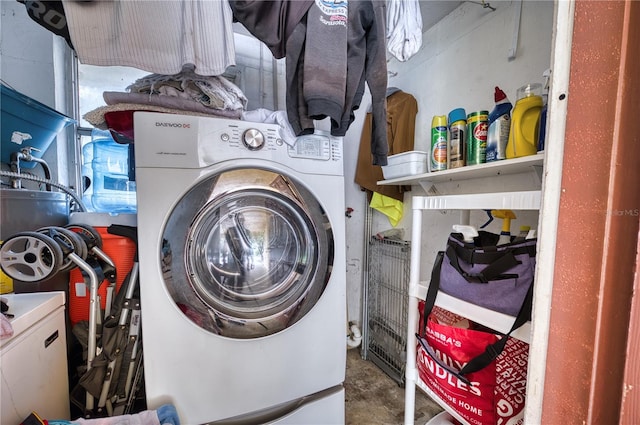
x=499 y=125
x=543 y=114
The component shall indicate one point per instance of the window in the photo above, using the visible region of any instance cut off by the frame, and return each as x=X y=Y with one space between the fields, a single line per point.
x=95 y=80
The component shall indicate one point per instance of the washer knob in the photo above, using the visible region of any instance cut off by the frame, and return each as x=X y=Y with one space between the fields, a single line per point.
x=253 y=139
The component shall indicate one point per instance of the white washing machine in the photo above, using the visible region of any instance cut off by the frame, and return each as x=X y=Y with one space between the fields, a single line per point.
x=242 y=271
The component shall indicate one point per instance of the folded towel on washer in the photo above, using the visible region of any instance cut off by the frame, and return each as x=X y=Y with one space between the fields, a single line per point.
x=96 y=117
x=183 y=93
x=185 y=105
x=215 y=92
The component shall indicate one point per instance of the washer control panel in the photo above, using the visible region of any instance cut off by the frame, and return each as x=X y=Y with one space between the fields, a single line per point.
x=255 y=137
x=252 y=136
x=312 y=146
x=184 y=141
x=319 y=146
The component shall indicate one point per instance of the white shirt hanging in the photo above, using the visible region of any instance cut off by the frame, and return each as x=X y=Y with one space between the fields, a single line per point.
x=404 y=28
x=155 y=36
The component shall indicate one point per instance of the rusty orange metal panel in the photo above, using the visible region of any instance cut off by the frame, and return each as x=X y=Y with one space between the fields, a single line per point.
x=597 y=225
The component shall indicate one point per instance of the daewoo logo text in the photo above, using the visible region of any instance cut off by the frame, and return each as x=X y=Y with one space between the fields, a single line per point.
x=172 y=124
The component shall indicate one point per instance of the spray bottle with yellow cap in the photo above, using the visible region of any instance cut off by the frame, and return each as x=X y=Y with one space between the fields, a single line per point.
x=506 y=216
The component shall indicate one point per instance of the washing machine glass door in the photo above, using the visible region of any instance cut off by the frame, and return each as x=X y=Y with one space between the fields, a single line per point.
x=247 y=253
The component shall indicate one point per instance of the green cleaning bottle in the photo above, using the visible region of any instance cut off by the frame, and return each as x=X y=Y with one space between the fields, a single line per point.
x=439 y=143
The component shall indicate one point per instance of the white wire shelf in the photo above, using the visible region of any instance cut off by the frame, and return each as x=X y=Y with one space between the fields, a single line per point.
x=490 y=169
x=489 y=318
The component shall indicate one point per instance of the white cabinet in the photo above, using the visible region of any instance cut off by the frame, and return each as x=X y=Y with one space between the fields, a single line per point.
x=33 y=361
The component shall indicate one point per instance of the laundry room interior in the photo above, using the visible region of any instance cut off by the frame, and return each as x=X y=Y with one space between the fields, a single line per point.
x=319 y=212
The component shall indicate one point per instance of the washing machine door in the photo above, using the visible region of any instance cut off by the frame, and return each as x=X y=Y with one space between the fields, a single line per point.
x=247 y=253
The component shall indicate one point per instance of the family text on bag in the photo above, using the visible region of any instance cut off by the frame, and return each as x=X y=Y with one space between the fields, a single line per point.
x=442 y=373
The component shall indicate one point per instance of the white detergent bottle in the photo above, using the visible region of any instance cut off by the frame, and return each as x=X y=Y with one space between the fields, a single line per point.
x=468 y=232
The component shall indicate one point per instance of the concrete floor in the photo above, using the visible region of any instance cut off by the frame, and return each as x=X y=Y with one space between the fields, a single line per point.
x=373 y=398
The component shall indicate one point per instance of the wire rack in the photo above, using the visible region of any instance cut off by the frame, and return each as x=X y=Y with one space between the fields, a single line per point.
x=386 y=299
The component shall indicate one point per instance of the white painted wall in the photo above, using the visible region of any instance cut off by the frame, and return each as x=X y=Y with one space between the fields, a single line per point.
x=465 y=56
x=462 y=59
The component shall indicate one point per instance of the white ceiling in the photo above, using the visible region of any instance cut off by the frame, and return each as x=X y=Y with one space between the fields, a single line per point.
x=434 y=10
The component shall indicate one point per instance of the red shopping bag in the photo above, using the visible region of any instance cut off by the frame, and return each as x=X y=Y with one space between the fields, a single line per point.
x=495 y=394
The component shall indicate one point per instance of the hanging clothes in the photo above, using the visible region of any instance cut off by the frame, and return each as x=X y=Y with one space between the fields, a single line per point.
x=324 y=85
x=50 y=15
x=324 y=80
x=155 y=36
x=402 y=109
x=404 y=28
x=271 y=22
x=316 y=64
x=367 y=62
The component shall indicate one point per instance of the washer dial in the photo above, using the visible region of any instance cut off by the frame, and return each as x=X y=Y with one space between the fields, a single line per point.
x=253 y=139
